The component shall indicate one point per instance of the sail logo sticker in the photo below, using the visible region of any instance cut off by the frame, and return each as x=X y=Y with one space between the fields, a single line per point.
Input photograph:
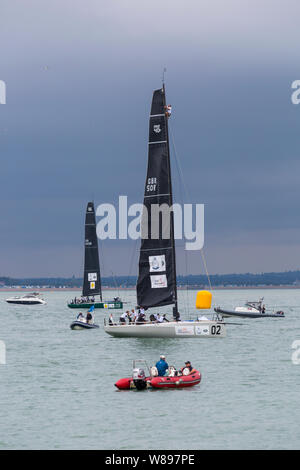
x=157 y=128
x=202 y=330
x=184 y=330
x=159 y=282
x=92 y=276
x=92 y=285
x=157 y=263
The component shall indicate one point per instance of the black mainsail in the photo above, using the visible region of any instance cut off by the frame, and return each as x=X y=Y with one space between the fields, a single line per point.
x=91 y=279
x=156 y=285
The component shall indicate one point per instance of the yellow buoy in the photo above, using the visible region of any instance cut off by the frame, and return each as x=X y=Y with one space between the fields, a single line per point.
x=203 y=300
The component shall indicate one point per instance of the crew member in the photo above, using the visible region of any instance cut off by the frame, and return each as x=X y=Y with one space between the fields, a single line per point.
x=159 y=318
x=162 y=366
x=89 y=317
x=168 y=110
x=123 y=317
x=80 y=316
x=188 y=366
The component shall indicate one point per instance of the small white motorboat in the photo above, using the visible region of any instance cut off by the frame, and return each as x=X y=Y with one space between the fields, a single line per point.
x=27 y=299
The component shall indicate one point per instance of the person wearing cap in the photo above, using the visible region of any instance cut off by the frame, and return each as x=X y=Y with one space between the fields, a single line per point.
x=188 y=366
x=162 y=366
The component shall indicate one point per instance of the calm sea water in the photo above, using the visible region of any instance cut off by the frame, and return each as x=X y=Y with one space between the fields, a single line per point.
x=57 y=387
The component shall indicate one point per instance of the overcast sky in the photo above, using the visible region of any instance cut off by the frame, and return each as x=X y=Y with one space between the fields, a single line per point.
x=79 y=78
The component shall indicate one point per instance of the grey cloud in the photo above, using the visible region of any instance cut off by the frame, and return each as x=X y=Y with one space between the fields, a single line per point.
x=79 y=81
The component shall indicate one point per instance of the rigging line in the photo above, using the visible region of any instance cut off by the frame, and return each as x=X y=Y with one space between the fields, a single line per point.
x=102 y=263
x=115 y=281
x=179 y=164
x=182 y=190
x=133 y=253
x=189 y=199
x=205 y=266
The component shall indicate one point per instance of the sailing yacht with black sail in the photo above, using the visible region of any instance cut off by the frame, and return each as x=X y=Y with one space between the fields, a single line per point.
x=156 y=285
x=92 y=278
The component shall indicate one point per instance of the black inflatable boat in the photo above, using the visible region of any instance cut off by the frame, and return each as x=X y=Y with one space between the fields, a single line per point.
x=248 y=314
x=80 y=325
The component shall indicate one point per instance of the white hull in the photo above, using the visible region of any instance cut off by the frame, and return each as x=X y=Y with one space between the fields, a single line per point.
x=78 y=327
x=243 y=310
x=20 y=301
x=182 y=329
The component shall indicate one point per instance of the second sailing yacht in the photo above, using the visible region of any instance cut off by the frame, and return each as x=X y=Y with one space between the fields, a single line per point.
x=92 y=279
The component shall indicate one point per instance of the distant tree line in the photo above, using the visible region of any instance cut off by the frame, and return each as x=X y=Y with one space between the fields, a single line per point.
x=237 y=280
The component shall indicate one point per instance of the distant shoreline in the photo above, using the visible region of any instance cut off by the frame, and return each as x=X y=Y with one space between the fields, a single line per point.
x=78 y=289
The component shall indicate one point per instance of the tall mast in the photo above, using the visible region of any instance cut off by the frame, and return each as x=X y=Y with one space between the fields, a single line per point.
x=175 y=308
x=156 y=285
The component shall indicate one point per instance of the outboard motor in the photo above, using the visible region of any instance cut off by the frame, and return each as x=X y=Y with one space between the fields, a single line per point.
x=139 y=378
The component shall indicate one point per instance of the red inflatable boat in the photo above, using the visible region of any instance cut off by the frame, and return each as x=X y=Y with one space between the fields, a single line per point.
x=177 y=381
x=140 y=381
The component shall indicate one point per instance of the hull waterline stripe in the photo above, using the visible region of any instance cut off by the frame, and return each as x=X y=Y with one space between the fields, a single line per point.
x=158 y=142
x=184 y=382
x=156 y=249
x=156 y=195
